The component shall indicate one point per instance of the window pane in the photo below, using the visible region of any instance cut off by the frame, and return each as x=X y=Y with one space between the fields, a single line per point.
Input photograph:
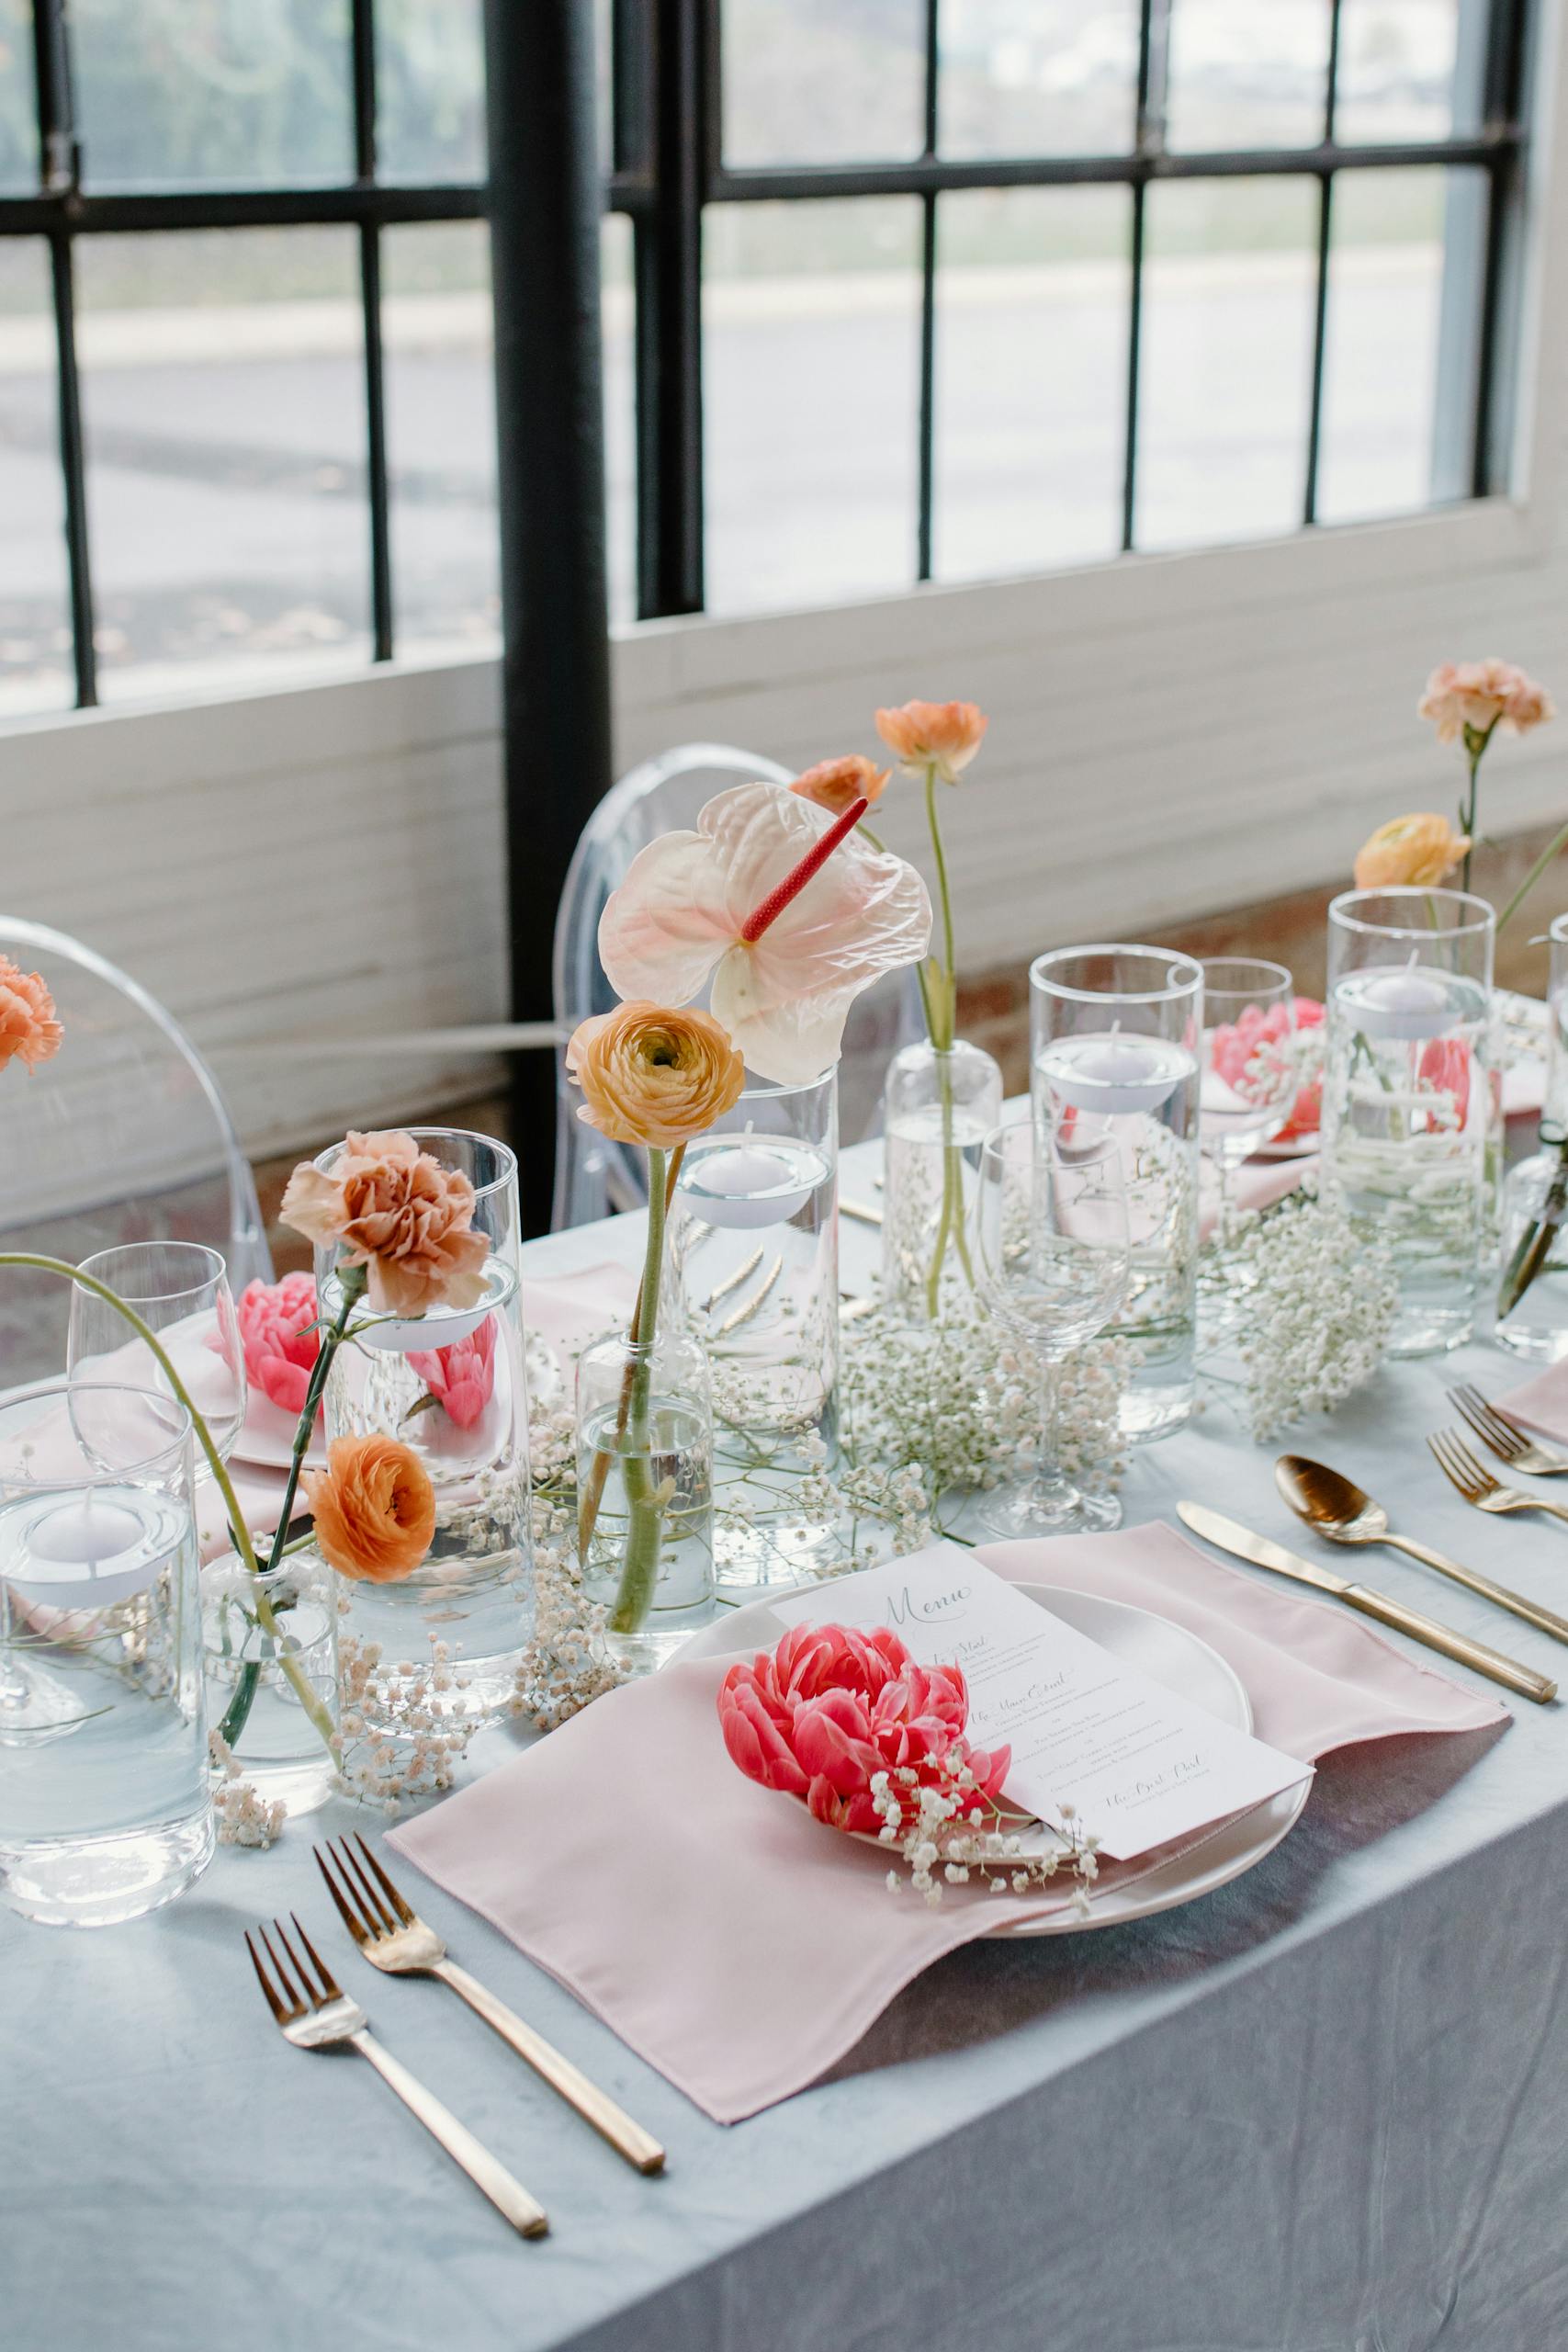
x=1038 y=77
x=224 y=395
x=437 y=344
x=18 y=111
x=35 y=611
x=619 y=315
x=1031 y=378
x=1248 y=73
x=1402 y=73
x=1399 y=359
x=430 y=90
x=193 y=93
x=823 y=80
x=811 y=351
x=1226 y=363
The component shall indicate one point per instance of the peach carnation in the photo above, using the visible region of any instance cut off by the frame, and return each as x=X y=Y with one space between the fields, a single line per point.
x=654 y=1074
x=401 y=1215
x=943 y=736
x=1413 y=851
x=374 y=1508
x=836 y=784
x=1482 y=694
x=28 y=1031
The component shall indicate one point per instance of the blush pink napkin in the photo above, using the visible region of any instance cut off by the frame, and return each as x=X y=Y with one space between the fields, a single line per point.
x=740 y=1947
x=1541 y=1403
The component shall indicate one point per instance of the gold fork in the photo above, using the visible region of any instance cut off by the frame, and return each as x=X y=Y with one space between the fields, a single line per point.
x=395 y=1939
x=321 y=2017
x=1504 y=1436
x=1476 y=1483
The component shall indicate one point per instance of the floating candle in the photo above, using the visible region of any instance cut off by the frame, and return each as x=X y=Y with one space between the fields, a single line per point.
x=83 y=1551
x=749 y=1183
x=1409 y=1001
x=1114 y=1074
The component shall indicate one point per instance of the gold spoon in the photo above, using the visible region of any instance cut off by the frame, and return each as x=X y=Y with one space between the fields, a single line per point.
x=1337 y=1507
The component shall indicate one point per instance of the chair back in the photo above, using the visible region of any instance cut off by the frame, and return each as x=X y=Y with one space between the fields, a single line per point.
x=594 y=1176
x=122 y=1136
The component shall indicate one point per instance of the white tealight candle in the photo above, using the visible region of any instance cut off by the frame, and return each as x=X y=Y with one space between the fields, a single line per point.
x=89 y=1554
x=746 y=1185
x=1409 y=1002
x=1113 y=1074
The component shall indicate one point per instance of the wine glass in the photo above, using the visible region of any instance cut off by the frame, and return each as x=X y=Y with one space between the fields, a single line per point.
x=180 y=1290
x=1051 y=1240
x=1249 y=1075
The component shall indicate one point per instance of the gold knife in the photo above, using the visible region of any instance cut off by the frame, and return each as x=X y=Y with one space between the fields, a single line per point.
x=1263 y=1554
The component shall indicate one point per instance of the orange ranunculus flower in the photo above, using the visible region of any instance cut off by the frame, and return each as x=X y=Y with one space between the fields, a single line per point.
x=940 y=735
x=836 y=784
x=28 y=1031
x=374 y=1507
x=1415 y=851
x=398 y=1214
x=654 y=1074
x=1482 y=694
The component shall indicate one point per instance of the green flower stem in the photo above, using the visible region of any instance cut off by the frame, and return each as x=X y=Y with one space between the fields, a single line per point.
x=938 y=995
x=592 y=1493
x=352 y=1279
x=1475 y=741
x=1558 y=841
x=1535 y=1243
x=645 y=1507
x=317 y=1715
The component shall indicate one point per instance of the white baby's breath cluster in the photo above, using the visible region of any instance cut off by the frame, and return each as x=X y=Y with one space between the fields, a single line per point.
x=948 y=1834
x=381 y=1765
x=244 y=1817
x=1319 y=1305
x=565 y=1665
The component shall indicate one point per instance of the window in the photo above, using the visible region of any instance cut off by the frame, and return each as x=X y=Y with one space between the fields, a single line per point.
x=893 y=291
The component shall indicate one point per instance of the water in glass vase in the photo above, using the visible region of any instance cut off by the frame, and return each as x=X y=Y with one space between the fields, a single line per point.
x=651 y=1604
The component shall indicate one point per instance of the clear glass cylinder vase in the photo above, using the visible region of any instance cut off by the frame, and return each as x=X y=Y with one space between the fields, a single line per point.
x=1115 y=1038
x=1408 y=1095
x=451 y=1385
x=939 y=1105
x=105 y=1811
x=644 y=1492
x=752 y=1271
x=253 y=1698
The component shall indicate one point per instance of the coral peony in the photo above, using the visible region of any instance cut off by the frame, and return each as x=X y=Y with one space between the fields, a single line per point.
x=279 y=1335
x=822 y=1715
x=654 y=1074
x=461 y=1378
x=401 y=1215
x=1420 y=852
x=836 y=784
x=28 y=1031
x=1479 y=695
x=374 y=1508
x=1238 y=1043
x=943 y=736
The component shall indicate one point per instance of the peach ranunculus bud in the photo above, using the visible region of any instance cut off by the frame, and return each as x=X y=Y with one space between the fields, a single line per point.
x=654 y=1074
x=836 y=784
x=940 y=735
x=397 y=1213
x=1479 y=695
x=1418 y=852
x=374 y=1507
x=28 y=1031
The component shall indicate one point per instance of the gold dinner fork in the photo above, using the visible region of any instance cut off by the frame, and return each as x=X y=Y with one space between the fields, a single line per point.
x=396 y=1940
x=1476 y=1483
x=1505 y=1438
x=319 y=2016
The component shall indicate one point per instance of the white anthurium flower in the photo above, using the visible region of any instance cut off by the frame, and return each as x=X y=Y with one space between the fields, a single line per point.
x=784 y=913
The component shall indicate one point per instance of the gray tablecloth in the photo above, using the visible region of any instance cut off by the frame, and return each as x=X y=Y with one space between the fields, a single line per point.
x=1319 y=2111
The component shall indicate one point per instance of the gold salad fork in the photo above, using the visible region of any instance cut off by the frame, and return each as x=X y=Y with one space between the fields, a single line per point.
x=395 y=1939
x=1506 y=1438
x=319 y=2016
x=1476 y=1483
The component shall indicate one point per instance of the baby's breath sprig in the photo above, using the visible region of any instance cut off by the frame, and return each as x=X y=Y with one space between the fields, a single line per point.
x=950 y=1834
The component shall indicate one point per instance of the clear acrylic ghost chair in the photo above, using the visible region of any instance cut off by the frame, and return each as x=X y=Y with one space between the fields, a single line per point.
x=594 y=1176
x=123 y=1136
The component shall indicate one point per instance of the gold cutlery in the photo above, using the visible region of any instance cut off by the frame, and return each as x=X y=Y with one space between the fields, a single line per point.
x=1264 y=1553
x=1477 y=1485
x=325 y=2019
x=1506 y=1438
x=393 y=1938
x=866 y=1215
x=1337 y=1507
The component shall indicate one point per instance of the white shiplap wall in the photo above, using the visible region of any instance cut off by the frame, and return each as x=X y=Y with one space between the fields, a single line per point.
x=1169 y=736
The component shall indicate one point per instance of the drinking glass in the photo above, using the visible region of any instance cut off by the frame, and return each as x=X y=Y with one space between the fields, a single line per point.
x=1051 y=1259
x=1248 y=1078
x=180 y=1289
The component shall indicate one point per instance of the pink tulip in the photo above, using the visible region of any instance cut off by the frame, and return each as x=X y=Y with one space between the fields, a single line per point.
x=831 y=1707
x=462 y=1377
x=277 y=1333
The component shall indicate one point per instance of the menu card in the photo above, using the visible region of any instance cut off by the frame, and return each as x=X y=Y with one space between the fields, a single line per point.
x=1141 y=1765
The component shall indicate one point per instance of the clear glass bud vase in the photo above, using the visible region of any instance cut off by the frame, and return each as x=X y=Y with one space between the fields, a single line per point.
x=644 y=1492
x=941 y=1105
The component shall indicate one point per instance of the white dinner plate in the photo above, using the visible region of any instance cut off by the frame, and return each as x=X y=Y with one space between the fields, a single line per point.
x=1169 y=1655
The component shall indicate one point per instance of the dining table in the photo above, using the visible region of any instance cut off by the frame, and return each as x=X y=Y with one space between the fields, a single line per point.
x=1323 y=2109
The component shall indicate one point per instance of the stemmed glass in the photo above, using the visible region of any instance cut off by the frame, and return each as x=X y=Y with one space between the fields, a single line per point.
x=1249 y=1076
x=1051 y=1242
x=180 y=1289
